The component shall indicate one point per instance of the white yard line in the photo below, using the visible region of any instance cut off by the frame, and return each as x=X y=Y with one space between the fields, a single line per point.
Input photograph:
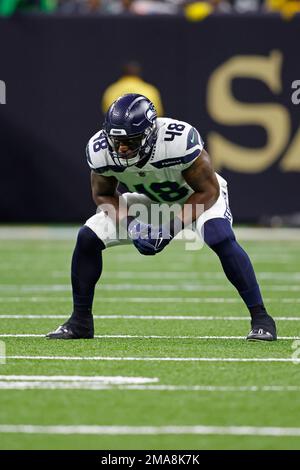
x=185 y=275
x=129 y=299
x=142 y=317
x=133 y=383
x=155 y=359
x=181 y=274
x=150 y=430
x=85 y=384
x=155 y=275
x=104 y=379
x=44 y=232
x=267 y=234
x=190 y=287
x=38 y=232
x=74 y=380
x=31 y=335
x=149 y=300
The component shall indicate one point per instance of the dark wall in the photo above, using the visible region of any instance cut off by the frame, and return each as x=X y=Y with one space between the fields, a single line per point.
x=230 y=76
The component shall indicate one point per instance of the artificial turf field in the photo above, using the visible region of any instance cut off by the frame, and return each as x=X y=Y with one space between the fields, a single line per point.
x=169 y=368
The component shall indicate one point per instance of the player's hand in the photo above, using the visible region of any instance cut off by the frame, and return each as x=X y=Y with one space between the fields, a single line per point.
x=149 y=240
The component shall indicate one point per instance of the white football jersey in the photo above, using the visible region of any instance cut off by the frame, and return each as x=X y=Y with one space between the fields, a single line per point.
x=160 y=177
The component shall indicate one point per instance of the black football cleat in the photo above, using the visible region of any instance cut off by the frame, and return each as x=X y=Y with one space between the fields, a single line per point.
x=263 y=329
x=261 y=335
x=66 y=331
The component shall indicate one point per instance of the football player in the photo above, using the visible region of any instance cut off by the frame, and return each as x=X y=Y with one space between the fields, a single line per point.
x=156 y=160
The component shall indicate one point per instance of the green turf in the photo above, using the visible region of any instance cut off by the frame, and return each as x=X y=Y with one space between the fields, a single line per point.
x=35 y=281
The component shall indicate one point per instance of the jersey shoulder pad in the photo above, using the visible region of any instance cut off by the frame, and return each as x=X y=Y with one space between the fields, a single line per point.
x=98 y=157
x=178 y=143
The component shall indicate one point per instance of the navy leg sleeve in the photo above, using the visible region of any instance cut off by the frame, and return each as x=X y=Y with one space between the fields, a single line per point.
x=86 y=271
x=219 y=236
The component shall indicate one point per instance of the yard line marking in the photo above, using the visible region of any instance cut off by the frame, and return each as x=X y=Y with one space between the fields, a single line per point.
x=135 y=383
x=100 y=379
x=10 y=233
x=38 y=233
x=94 y=385
x=267 y=234
x=141 y=275
x=211 y=388
x=156 y=359
x=189 y=287
x=31 y=335
x=150 y=300
x=150 y=430
x=265 y=275
x=143 y=317
x=179 y=275
x=130 y=299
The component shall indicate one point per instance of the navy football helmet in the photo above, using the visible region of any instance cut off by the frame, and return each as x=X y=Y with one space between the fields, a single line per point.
x=130 y=129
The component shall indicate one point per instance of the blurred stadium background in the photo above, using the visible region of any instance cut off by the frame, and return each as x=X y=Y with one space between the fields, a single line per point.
x=229 y=74
x=230 y=68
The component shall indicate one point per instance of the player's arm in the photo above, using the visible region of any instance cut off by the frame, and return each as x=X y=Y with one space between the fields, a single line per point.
x=104 y=191
x=201 y=177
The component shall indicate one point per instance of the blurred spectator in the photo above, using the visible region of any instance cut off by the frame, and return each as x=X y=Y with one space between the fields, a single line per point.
x=197 y=11
x=247 y=6
x=80 y=6
x=9 y=7
x=116 y=7
x=200 y=9
x=288 y=8
x=221 y=6
x=194 y=10
x=148 y=7
x=131 y=82
x=141 y=7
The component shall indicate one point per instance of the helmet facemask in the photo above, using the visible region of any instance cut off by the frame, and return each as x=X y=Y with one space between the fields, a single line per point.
x=139 y=146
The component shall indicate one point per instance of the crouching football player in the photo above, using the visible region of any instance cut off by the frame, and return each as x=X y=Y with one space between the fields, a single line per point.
x=158 y=160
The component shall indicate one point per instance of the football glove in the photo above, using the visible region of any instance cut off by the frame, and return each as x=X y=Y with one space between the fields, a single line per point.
x=149 y=240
